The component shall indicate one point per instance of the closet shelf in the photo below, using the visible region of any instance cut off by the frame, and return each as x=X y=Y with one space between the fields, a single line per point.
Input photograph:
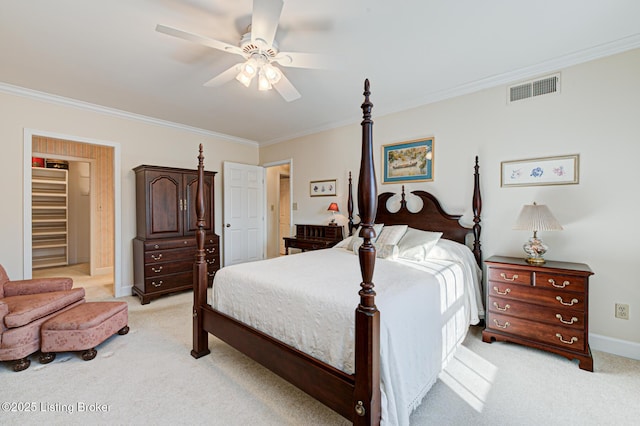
x=49 y=205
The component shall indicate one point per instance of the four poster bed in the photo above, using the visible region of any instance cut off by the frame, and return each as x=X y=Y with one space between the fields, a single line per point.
x=295 y=314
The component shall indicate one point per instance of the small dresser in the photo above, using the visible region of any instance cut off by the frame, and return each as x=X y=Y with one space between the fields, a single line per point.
x=314 y=237
x=542 y=306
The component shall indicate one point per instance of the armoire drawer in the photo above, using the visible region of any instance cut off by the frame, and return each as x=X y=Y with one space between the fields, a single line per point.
x=168 y=282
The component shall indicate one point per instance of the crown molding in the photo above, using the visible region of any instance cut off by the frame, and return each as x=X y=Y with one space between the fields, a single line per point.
x=552 y=65
x=526 y=73
x=87 y=106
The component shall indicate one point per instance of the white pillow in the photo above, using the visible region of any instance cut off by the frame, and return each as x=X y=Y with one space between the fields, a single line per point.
x=377 y=227
x=344 y=243
x=391 y=234
x=416 y=244
x=383 y=251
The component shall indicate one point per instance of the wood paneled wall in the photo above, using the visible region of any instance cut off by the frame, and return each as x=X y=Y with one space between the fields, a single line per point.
x=102 y=216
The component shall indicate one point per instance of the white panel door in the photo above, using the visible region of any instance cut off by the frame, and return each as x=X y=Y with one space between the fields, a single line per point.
x=244 y=213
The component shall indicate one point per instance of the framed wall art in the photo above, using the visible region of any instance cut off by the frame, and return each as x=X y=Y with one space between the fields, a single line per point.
x=322 y=188
x=410 y=161
x=560 y=170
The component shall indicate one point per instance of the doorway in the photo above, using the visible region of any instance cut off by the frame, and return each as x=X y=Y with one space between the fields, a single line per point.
x=279 y=212
x=103 y=161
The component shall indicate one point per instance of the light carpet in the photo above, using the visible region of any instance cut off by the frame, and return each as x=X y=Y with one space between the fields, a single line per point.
x=149 y=377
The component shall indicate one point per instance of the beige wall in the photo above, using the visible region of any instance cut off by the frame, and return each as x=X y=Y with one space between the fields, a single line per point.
x=140 y=143
x=595 y=115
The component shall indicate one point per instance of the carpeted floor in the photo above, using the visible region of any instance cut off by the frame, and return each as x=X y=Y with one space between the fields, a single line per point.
x=148 y=377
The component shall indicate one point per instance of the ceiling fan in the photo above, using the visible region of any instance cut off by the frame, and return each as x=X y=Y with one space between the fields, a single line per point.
x=260 y=52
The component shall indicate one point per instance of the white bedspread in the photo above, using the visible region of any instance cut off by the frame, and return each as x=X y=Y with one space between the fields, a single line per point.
x=308 y=301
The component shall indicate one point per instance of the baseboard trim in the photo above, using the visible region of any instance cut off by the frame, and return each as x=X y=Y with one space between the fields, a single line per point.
x=124 y=291
x=104 y=270
x=614 y=346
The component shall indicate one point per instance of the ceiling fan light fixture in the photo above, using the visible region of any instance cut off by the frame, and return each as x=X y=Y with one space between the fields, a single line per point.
x=263 y=81
x=244 y=79
x=250 y=68
x=272 y=73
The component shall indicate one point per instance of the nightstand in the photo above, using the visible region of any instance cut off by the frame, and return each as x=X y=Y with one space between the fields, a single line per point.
x=542 y=306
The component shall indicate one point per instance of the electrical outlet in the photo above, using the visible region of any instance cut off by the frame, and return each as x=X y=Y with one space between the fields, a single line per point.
x=622 y=311
x=295 y=206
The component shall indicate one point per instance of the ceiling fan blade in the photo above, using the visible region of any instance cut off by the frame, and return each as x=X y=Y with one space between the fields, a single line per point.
x=264 y=21
x=224 y=77
x=205 y=41
x=304 y=60
x=286 y=89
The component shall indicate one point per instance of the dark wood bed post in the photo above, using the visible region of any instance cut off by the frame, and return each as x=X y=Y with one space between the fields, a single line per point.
x=200 y=336
x=350 y=206
x=477 y=209
x=366 y=395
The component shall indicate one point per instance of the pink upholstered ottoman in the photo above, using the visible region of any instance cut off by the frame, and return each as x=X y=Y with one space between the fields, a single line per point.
x=82 y=328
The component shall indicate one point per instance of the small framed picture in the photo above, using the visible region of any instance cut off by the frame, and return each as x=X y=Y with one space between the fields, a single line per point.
x=322 y=188
x=410 y=161
x=560 y=170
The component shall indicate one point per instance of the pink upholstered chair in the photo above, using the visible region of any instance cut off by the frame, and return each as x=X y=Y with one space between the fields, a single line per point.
x=24 y=306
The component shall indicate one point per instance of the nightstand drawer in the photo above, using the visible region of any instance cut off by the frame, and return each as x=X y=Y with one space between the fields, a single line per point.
x=511 y=276
x=540 y=296
x=565 y=337
x=561 y=316
x=560 y=282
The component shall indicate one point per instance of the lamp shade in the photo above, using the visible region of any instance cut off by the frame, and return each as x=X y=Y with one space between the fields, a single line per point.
x=333 y=207
x=536 y=217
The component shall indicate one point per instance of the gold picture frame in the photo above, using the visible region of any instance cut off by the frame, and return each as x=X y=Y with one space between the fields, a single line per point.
x=410 y=161
x=322 y=188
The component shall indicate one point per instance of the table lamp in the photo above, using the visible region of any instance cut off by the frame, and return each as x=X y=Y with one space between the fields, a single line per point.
x=333 y=208
x=536 y=217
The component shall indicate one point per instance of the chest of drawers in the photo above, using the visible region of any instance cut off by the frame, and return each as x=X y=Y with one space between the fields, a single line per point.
x=542 y=306
x=166 y=266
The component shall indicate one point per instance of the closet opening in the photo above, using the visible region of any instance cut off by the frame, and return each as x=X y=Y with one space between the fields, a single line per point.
x=70 y=230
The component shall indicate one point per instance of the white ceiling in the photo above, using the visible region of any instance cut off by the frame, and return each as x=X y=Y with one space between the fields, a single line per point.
x=413 y=51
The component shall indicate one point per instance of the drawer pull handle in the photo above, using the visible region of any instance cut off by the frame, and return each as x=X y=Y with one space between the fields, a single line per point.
x=156 y=270
x=506 y=307
x=211 y=274
x=506 y=324
x=155 y=246
x=497 y=290
x=211 y=261
x=563 y=285
x=573 y=301
x=562 y=320
x=153 y=283
x=158 y=257
x=211 y=250
x=513 y=278
x=568 y=342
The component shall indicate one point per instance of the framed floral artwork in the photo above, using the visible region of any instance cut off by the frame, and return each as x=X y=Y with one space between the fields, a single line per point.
x=410 y=161
x=560 y=170
x=322 y=188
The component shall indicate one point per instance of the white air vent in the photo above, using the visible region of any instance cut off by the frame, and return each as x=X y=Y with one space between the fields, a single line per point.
x=540 y=86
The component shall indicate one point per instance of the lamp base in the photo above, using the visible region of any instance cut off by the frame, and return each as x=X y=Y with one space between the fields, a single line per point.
x=536 y=249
